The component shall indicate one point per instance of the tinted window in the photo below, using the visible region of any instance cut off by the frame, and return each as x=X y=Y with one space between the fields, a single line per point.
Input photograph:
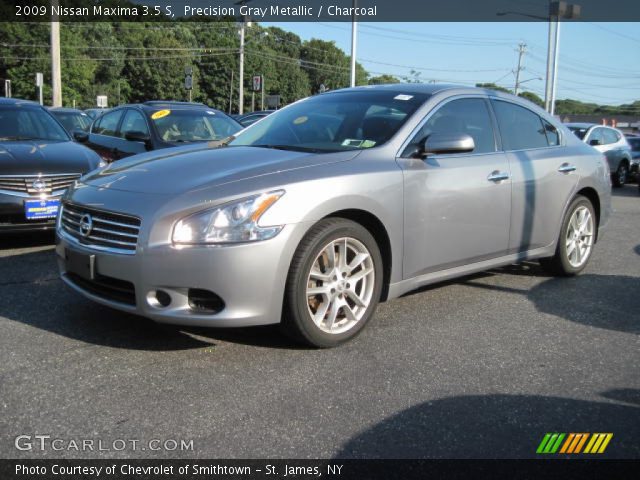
x=520 y=127
x=553 y=137
x=27 y=122
x=73 y=121
x=580 y=132
x=133 y=122
x=337 y=121
x=634 y=143
x=108 y=123
x=467 y=115
x=610 y=136
x=192 y=125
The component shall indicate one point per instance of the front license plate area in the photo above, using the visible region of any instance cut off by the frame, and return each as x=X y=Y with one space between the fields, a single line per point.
x=41 y=209
x=81 y=264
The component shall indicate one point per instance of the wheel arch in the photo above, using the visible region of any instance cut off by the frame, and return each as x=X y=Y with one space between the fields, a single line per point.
x=592 y=195
x=379 y=232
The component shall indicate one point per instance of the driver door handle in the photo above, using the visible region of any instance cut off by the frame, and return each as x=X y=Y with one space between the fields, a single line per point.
x=498 y=176
x=566 y=168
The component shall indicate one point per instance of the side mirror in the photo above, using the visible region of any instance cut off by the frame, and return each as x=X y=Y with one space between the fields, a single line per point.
x=80 y=136
x=439 y=143
x=137 y=137
x=595 y=142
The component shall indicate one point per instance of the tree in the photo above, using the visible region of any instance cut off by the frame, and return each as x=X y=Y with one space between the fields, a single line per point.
x=493 y=86
x=383 y=79
x=532 y=97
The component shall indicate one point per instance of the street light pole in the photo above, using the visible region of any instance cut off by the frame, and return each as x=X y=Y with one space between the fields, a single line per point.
x=241 y=74
x=554 y=82
x=550 y=50
x=354 y=41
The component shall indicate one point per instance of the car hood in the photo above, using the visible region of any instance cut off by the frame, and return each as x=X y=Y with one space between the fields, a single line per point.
x=178 y=170
x=40 y=156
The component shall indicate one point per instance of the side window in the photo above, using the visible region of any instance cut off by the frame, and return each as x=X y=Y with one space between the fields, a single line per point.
x=108 y=123
x=466 y=115
x=596 y=136
x=521 y=129
x=610 y=136
x=553 y=137
x=133 y=122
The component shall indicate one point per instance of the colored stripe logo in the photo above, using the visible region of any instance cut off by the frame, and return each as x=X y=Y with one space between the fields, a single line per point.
x=572 y=443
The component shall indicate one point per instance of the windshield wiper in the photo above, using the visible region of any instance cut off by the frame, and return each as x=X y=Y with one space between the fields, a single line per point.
x=221 y=143
x=293 y=148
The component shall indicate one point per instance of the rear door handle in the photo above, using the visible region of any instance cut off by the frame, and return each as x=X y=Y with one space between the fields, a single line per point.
x=566 y=168
x=498 y=176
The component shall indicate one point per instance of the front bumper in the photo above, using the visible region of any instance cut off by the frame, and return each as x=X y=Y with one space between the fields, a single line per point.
x=13 y=219
x=249 y=278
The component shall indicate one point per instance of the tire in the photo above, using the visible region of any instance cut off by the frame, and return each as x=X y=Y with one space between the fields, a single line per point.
x=575 y=245
x=333 y=316
x=620 y=176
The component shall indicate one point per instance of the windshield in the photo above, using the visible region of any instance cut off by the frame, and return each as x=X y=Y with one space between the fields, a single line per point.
x=25 y=122
x=579 y=131
x=350 y=120
x=73 y=121
x=192 y=125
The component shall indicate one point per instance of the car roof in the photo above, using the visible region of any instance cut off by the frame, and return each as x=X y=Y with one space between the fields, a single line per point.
x=428 y=88
x=154 y=105
x=581 y=124
x=16 y=101
x=66 y=110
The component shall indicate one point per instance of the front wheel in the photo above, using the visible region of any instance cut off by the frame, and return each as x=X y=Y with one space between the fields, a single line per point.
x=577 y=237
x=334 y=284
x=619 y=177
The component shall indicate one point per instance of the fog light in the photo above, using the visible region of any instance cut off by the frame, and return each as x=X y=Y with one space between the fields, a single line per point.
x=158 y=298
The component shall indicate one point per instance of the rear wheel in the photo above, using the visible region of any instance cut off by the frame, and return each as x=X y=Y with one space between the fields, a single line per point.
x=334 y=284
x=619 y=177
x=577 y=237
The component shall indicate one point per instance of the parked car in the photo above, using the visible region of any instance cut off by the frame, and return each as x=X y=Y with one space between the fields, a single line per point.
x=310 y=223
x=612 y=143
x=72 y=119
x=138 y=128
x=38 y=161
x=96 y=112
x=251 y=118
x=634 y=143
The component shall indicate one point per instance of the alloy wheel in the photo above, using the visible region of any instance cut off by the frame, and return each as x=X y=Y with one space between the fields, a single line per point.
x=579 y=238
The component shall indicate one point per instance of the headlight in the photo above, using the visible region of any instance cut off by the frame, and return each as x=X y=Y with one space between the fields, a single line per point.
x=230 y=223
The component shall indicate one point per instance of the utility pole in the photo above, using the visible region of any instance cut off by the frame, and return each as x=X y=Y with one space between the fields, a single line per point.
x=354 y=41
x=56 y=77
x=522 y=48
x=241 y=75
x=230 y=92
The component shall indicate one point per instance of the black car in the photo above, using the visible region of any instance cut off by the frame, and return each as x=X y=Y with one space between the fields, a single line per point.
x=138 y=128
x=634 y=143
x=38 y=161
x=96 y=112
x=72 y=119
x=251 y=118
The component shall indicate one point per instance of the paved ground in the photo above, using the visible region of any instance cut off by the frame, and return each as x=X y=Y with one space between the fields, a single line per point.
x=481 y=367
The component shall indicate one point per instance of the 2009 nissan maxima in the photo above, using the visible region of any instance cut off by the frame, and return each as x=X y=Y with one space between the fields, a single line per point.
x=312 y=216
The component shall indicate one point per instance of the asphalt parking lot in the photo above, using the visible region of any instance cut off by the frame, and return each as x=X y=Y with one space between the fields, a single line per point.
x=480 y=367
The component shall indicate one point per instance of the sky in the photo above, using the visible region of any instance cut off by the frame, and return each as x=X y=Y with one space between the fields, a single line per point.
x=599 y=62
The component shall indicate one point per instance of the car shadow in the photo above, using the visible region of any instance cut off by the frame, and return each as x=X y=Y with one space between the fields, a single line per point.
x=629 y=190
x=32 y=293
x=495 y=426
x=602 y=301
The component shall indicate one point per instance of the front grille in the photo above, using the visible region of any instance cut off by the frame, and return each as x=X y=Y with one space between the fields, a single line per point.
x=105 y=287
x=47 y=184
x=109 y=231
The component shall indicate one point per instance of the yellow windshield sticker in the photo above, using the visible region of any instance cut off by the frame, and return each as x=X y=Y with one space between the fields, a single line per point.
x=160 y=114
x=300 y=120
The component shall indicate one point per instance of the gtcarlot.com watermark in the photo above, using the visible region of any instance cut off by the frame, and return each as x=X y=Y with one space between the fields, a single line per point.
x=45 y=443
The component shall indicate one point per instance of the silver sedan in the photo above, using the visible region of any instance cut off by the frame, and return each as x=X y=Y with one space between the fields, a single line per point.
x=313 y=215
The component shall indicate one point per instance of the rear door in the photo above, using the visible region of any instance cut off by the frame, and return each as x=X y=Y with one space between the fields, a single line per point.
x=457 y=206
x=543 y=177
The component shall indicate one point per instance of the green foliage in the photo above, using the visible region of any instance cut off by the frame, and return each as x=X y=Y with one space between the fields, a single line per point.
x=383 y=79
x=493 y=86
x=532 y=97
